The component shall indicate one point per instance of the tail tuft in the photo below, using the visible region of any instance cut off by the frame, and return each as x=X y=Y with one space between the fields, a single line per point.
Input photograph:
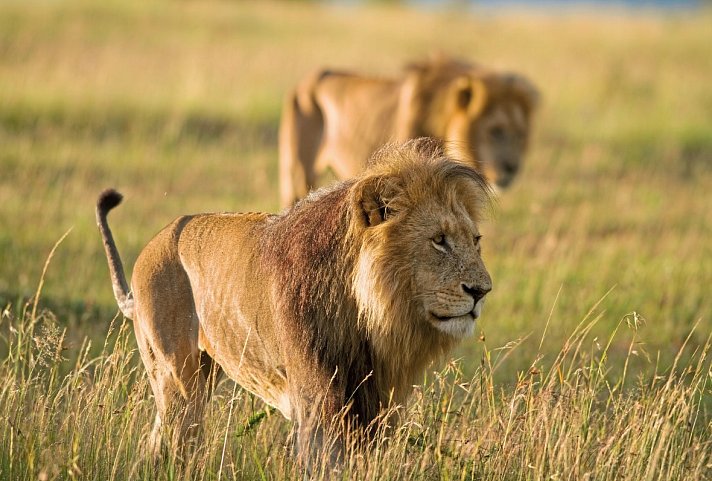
x=108 y=199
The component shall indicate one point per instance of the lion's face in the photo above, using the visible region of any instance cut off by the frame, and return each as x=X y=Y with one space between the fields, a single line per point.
x=499 y=138
x=450 y=279
x=422 y=247
x=491 y=123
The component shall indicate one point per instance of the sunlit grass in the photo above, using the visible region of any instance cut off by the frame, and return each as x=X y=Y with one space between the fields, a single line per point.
x=567 y=417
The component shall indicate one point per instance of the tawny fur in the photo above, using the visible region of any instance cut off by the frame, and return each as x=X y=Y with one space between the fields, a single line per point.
x=334 y=306
x=337 y=120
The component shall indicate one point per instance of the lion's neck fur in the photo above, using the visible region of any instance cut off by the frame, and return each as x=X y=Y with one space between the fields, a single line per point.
x=369 y=333
x=402 y=342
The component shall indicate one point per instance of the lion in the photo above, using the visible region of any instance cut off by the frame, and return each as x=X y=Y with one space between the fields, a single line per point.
x=334 y=307
x=337 y=120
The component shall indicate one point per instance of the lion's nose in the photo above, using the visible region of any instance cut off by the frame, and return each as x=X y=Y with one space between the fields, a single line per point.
x=477 y=292
x=510 y=168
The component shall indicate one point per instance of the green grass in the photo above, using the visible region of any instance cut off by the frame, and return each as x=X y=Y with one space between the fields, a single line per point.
x=177 y=106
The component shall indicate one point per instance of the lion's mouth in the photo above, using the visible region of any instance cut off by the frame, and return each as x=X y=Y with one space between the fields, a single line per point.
x=472 y=315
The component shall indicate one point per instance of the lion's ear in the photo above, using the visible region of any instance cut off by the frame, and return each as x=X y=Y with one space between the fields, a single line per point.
x=470 y=94
x=371 y=199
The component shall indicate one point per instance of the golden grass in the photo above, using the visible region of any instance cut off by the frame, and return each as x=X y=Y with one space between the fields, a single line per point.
x=569 y=420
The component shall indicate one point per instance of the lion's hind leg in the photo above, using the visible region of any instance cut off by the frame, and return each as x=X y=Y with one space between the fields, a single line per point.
x=166 y=327
x=300 y=137
x=180 y=387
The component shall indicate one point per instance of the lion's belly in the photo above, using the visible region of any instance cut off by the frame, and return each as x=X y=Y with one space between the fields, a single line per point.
x=268 y=384
x=233 y=311
x=244 y=357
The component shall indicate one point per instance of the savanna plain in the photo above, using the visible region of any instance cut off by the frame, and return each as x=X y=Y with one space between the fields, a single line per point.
x=591 y=360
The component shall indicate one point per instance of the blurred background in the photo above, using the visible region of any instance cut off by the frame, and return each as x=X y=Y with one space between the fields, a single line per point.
x=177 y=105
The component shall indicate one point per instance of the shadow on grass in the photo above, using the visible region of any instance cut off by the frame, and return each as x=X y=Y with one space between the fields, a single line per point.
x=123 y=121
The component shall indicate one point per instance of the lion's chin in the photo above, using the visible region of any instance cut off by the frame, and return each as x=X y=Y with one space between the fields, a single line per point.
x=458 y=327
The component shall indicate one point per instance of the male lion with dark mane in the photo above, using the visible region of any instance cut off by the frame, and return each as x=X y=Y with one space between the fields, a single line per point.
x=338 y=119
x=334 y=306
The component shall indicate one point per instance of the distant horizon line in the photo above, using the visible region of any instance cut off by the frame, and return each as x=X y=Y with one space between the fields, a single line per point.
x=539 y=4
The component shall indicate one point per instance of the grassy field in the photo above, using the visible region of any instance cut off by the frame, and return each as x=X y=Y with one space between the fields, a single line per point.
x=177 y=106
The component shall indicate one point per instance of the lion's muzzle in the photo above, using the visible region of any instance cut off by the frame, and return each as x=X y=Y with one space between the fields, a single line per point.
x=477 y=292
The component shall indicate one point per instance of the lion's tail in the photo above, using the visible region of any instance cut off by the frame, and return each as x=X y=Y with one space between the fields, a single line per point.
x=107 y=201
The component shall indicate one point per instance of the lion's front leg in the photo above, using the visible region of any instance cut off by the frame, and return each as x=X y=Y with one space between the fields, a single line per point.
x=318 y=407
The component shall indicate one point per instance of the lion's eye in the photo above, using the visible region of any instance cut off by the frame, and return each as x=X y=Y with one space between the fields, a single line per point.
x=497 y=133
x=478 y=248
x=439 y=240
